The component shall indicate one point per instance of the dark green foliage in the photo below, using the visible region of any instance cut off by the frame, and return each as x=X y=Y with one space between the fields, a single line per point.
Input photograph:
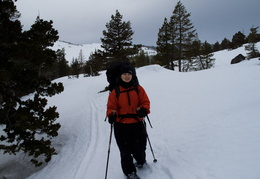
x=225 y=44
x=62 y=67
x=25 y=67
x=78 y=66
x=201 y=57
x=117 y=46
x=166 y=49
x=206 y=59
x=184 y=30
x=93 y=65
x=141 y=59
x=24 y=120
x=10 y=34
x=216 y=47
x=75 y=68
x=117 y=41
x=253 y=38
x=238 y=40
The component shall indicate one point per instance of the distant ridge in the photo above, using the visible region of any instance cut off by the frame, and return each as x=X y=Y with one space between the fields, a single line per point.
x=69 y=42
x=72 y=50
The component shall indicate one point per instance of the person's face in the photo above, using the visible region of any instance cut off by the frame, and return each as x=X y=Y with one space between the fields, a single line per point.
x=126 y=77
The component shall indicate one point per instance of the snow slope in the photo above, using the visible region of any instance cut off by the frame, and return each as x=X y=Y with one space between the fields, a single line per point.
x=72 y=51
x=205 y=125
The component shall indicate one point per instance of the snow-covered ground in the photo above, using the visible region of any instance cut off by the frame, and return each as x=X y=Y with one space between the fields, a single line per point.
x=206 y=125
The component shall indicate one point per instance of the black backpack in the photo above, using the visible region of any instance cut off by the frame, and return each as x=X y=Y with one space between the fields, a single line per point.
x=113 y=76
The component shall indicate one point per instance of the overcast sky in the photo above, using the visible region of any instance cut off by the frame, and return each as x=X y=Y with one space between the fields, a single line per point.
x=82 y=21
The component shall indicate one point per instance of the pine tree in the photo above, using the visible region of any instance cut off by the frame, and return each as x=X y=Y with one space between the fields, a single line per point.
x=206 y=59
x=117 y=41
x=26 y=62
x=253 y=38
x=194 y=61
x=166 y=45
x=94 y=64
x=225 y=44
x=62 y=66
x=36 y=51
x=184 y=30
x=75 y=67
x=216 y=47
x=141 y=59
x=238 y=40
x=201 y=57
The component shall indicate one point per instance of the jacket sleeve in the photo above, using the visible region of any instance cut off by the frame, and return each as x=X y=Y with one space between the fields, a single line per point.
x=112 y=105
x=144 y=99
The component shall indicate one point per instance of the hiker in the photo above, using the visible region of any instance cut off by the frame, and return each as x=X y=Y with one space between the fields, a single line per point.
x=126 y=111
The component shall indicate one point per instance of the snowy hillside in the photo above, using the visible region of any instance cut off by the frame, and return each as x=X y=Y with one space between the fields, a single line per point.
x=205 y=126
x=73 y=50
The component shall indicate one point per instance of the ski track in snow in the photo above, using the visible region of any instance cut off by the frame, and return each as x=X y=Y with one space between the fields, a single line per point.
x=87 y=164
x=89 y=154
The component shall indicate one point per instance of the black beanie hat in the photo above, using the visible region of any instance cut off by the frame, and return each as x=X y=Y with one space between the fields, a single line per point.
x=126 y=69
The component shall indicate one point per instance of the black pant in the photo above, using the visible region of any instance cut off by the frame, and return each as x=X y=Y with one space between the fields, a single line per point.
x=131 y=140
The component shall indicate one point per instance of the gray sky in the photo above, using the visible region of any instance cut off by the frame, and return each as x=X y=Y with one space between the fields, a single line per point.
x=82 y=21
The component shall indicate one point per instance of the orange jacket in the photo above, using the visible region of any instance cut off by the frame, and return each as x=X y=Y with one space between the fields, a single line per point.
x=127 y=103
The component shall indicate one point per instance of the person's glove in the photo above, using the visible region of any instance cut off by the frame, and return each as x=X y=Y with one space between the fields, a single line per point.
x=112 y=118
x=142 y=112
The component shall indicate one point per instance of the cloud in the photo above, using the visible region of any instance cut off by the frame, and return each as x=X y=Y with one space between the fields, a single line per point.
x=82 y=21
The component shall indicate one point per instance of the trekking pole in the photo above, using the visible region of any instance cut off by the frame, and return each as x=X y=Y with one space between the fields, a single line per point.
x=154 y=159
x=149 y=121
x=110 y=138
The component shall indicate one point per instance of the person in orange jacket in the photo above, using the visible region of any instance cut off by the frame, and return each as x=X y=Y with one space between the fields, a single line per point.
x=126 y=111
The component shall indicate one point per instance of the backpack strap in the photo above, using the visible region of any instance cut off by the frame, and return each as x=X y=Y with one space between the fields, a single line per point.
x=118 y=90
